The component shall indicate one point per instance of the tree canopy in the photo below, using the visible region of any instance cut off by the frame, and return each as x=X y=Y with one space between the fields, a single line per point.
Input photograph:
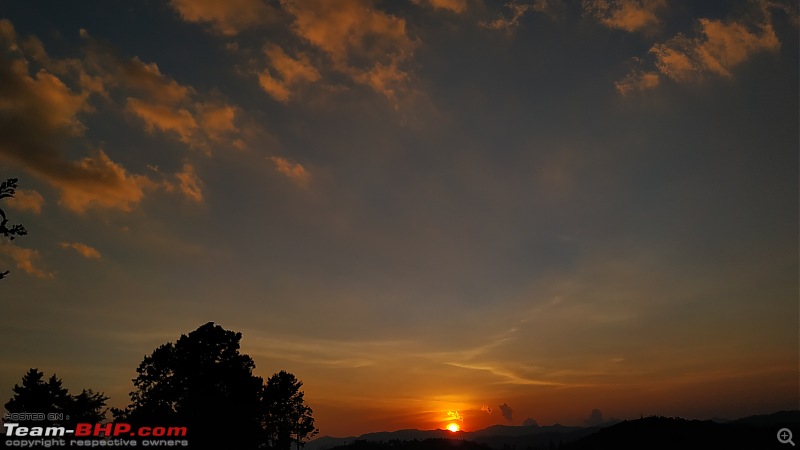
x=203 y=382
x=288 y=419
x=37 y=395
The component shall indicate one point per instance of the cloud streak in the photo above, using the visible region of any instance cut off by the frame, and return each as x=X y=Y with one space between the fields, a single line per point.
x=25 y=259
x=456 y=6
x=82 y=249
x=628 y=15
x=294 y=171
x=229 y=17
x=719 y=47
x=454 y=416
x=26 y=200
x=292 y=72
x=367 y=44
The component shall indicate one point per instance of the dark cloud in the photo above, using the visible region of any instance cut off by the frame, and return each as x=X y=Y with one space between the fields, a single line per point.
x=596 y=418
x=530 y=422
x=506 y=411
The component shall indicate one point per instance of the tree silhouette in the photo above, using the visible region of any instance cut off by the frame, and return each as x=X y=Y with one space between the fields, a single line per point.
x=86 y=407
x=204 y=383
x=288 y=418
x=7 y=190
x=35 y=395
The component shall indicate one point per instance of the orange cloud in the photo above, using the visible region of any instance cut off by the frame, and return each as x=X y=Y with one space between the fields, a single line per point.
x=147 y=79
x=189 y=183
x=517 y=11
x=722 y=46
x=456 y=6
x=294 y=171
x=357 y=38
x=385 y=79
x=228 y=17
x=454 y=416
x=25 y=259
x=26 y=200
x=45 y=96
x=96 y=181
x=290 y=69
x=162 y=103
x=218 y=120
x=292 y=72
x=730 y=44
x=638 y=81
x=273 y=87
x=628 y=15
x=83 y=249
x=36 y=114
x=164 y=118
x=7 y=32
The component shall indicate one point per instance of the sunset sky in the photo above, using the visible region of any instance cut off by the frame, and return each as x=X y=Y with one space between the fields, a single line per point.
x=424 y=209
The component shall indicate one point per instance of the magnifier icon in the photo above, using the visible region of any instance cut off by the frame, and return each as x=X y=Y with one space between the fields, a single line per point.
x=785 y=436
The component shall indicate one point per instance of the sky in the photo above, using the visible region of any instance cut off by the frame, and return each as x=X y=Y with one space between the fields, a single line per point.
x=429 y=211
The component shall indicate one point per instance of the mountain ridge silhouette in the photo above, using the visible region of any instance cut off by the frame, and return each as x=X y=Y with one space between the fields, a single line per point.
x=653 y=432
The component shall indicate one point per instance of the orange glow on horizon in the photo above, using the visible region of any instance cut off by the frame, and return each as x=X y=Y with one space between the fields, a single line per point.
x=453 y=427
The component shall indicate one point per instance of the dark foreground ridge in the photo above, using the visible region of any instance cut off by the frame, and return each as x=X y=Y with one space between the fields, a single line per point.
x=656 y=433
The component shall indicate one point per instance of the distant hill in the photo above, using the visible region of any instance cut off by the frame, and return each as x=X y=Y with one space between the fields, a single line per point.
x=656 y=433
x=495 y=437
x=755 y=432
x=426 y=444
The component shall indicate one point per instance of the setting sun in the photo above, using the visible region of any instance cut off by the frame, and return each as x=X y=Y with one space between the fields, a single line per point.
x=453 y=427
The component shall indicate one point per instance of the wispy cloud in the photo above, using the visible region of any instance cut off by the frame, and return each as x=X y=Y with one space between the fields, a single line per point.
x=25 y=259
x=454 y=416
x=456 y=6
x=164 y=118
x=82 y=249
x=26 y=200
x=229 y=17
x=638 y=81
x=46 y=110
x=516 y=10
x=628 y=15
x=294 y=171
x=361 y=41
x=332 y=353
x=40 y=113
x=720 y=46
x=218 y=120
x=291 y=72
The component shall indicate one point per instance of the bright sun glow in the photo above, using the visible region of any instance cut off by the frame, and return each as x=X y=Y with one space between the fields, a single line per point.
x=453 y=427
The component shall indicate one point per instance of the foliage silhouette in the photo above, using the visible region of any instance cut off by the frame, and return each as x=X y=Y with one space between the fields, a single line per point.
x=35 y=395
x=7 y=190
x=288 y=418
x=204 y=383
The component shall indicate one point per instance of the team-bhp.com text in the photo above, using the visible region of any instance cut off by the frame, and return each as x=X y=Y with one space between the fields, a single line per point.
x=102 y=434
